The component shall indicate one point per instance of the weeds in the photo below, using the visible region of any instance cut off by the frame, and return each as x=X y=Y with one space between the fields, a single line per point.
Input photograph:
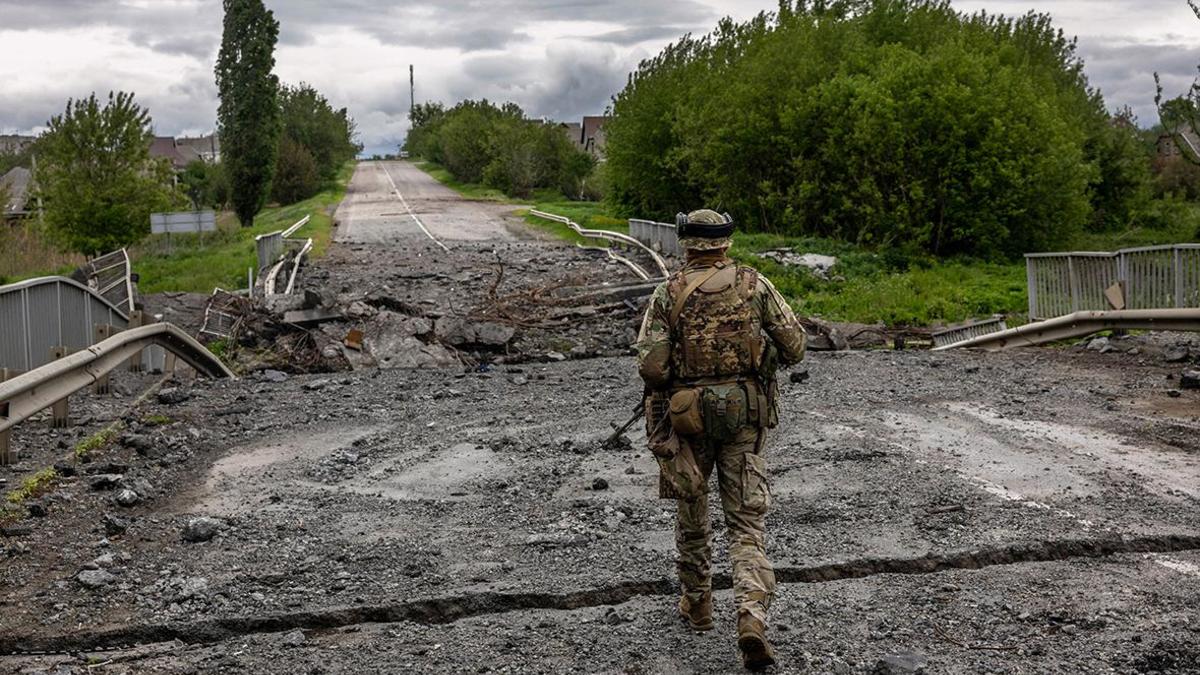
x=33 y=487
x=26 y=251
x=96 y=441
x=156 y=420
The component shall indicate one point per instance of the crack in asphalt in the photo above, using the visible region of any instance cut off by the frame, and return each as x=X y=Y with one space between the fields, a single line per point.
x=454 y=608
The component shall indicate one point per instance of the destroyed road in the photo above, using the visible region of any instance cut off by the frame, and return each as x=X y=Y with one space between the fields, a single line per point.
x=1032 y=511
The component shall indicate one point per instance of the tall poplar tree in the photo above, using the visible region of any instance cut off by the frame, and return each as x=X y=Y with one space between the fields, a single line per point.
x=248 y=117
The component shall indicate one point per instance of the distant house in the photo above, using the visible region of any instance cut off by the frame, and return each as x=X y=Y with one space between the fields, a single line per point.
x=208 y=147
x=587 y=136
x=166 y=147
x=14 y=186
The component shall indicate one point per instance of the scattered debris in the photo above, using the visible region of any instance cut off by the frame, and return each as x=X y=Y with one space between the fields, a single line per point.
x=201 y=529
x=819 y=265
x=1190 y=379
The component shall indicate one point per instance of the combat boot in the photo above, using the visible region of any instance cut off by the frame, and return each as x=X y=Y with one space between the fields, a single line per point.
x=757 y=653
x=698 y=615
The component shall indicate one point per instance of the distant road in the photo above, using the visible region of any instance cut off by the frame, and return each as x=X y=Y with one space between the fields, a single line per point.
x=389 y=201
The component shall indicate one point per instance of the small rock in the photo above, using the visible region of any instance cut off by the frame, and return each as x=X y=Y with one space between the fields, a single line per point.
x=1098 y=344
x=201 y=529
x=106 y=560
x=173 y=396
x=614 y=617
x=599 y=484
x=95 y=578
x=114 y=525
x=1177 y=355
x=64 y=469
x=294 y=638
x=901 y=664
x=555 y=356
x=127 y=498
x=1070 y=629
x=316 y=385
x=105 y=481
x=1190 y=379
x=520 y=380
x=38 y=510
x=798 y=376
x=1174 y=393
x=192 y=587
x=275 y=376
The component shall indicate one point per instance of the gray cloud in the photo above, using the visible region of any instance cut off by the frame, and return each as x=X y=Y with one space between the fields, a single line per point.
x=556 y=58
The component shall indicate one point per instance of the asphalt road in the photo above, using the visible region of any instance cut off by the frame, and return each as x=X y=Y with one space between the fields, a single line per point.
x=390 y=202
x=1033 y=511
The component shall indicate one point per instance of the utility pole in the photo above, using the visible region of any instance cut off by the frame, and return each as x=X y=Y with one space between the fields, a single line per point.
x=412 y=93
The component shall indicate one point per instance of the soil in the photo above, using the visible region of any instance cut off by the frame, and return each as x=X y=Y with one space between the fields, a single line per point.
x=1030 y=511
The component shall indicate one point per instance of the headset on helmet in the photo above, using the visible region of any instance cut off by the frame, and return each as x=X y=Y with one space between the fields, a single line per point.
x=704 y=224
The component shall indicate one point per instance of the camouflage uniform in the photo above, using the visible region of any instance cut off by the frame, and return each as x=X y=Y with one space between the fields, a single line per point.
x=738 y=454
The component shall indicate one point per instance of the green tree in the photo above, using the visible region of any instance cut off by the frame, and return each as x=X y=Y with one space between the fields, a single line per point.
x=311 y=122
x=96 y=175
x=248 y=115
x=297 y=177
x=883 y=122
x=204 y=183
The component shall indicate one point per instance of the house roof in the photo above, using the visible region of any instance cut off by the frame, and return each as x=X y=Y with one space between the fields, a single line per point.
x=169 y=149
x=210 y=144
x=16 y=183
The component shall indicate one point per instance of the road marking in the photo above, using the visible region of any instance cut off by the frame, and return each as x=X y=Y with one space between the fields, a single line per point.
x=408 y=208
x=1181 y=566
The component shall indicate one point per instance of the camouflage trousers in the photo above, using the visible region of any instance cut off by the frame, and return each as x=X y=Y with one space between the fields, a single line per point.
x=745 y=498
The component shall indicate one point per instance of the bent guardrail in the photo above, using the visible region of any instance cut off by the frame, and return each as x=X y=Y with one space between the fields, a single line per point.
x=608 y=235
x=661 y=237
x=51 y=384
x=1080 y=324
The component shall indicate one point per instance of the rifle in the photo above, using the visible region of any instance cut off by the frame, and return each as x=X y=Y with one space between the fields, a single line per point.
x=638 y=411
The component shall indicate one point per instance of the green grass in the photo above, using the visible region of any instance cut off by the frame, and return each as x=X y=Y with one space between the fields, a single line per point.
x=198 y=263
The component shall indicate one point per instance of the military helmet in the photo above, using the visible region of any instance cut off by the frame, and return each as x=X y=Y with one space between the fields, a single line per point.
x=704 y=230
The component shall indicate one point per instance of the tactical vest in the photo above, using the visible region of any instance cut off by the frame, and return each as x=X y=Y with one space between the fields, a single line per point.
x=716 y=332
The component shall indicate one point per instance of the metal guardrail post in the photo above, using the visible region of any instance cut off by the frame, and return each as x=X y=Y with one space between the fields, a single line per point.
x=1178 y=271
x=136 y=319
x=59 y=411
x=102 y=385
x=7 y=456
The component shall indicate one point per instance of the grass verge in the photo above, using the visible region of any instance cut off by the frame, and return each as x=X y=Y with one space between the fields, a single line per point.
x=197 y=264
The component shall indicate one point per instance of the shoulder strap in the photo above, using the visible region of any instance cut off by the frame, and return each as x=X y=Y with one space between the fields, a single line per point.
x=681 y=299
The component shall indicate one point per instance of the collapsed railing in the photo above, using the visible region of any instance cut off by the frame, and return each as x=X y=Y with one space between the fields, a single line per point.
x=1151 y=277
x=1080 y=324
x=49 y=386
x=611 y=236
x=274 y=253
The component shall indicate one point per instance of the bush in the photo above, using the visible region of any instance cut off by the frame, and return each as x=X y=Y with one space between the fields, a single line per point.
x=296 y=176
x=878 y=122
x=478 y=142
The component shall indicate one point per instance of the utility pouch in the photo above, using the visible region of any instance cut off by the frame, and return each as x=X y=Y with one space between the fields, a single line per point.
x=725 y=411
x=686 y=416
x=679 y=474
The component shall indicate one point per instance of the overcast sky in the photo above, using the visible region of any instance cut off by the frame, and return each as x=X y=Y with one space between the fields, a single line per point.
x=557 y=58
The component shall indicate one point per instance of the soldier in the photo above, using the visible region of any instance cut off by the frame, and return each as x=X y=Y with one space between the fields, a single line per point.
x=710 y=343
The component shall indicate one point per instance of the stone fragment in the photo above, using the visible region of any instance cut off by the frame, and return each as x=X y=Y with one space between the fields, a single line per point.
x=1177 y=355
x=294 y=638
x=105 y=481
x=316 y=385
x=127 y=498
x=1190 y=379
x=173 y=396
x=95 y=578
x=599 y=484
x=201 y=529
x=275 y=376
x=114 y=525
